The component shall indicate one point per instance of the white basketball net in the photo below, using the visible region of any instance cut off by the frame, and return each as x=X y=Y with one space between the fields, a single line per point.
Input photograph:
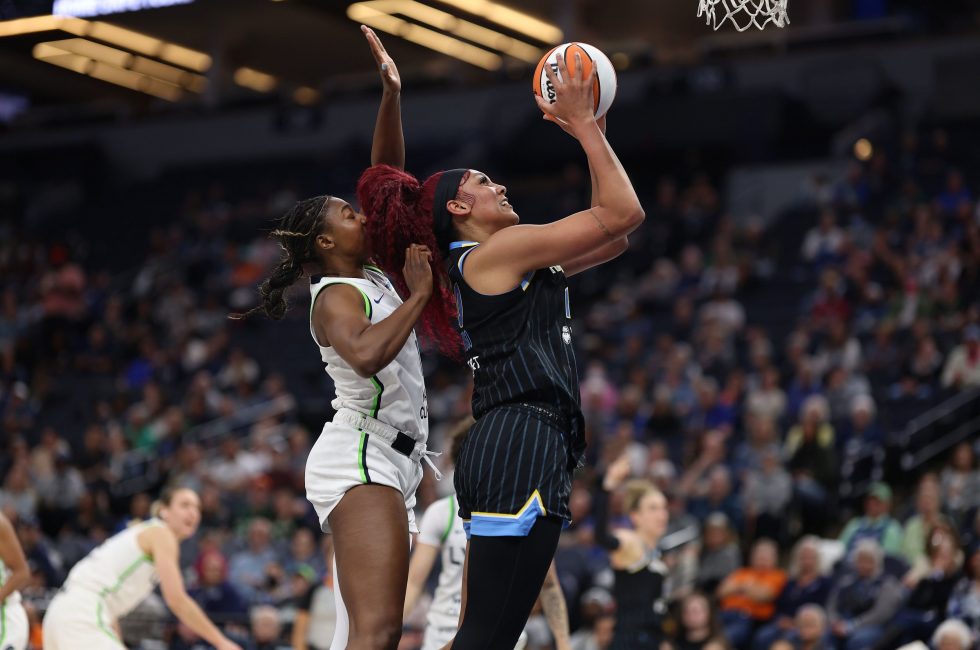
x=744 y=14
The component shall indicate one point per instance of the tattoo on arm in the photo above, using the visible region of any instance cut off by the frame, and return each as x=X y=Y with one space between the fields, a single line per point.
x=601 y=225
x=556 y=613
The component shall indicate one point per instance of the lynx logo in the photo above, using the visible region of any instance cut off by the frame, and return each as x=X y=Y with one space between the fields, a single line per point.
x=474 y=363
x=566 y=334
x=557 y=269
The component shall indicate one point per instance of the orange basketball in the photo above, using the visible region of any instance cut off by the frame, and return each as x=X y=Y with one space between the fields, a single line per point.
x=604 y=88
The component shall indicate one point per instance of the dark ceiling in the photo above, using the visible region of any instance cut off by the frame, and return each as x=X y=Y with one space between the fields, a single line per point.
x=313 y=43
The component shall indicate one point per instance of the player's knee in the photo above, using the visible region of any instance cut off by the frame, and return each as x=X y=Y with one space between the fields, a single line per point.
x=382 y=633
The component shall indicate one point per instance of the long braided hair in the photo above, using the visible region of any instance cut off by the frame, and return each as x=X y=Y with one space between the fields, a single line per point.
x=296 y=234
x=399 y=212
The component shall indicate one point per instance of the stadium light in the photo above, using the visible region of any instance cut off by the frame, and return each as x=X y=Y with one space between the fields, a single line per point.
x=255 y=80
x=105 y=67
x=512 y=19
x=463 y=29
x=378 y=14
x=184 y=57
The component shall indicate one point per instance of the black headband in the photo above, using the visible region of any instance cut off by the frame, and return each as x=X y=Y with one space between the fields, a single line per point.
x=446 y=190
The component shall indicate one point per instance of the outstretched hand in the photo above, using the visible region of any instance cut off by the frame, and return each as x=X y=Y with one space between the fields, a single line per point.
x=389 y=72
x=617 y=473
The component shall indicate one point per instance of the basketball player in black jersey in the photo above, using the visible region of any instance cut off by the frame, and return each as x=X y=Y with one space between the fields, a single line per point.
x=637 y=568
x=508 y=297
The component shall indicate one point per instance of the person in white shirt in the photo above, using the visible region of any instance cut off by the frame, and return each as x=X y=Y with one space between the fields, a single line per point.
x=117 y=576
x=14 y=575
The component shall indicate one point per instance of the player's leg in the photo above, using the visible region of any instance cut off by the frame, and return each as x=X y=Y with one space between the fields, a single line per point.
x=341 y=630
x=504 y=578
x=370 y=529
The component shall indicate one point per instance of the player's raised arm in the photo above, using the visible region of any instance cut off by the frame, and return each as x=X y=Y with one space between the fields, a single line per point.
x=388 y=146
x=510 y=253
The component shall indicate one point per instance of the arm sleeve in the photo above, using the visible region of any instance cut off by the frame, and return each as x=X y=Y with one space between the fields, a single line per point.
x=600 y=510
x=437 y=522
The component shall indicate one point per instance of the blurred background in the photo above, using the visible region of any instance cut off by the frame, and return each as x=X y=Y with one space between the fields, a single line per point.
x=791 y=343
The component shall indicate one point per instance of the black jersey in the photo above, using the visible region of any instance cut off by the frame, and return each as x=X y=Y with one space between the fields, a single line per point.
x=519 y=343
x=640 y=604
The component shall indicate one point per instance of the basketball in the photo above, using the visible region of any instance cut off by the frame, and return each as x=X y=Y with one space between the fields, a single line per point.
x=605 y=84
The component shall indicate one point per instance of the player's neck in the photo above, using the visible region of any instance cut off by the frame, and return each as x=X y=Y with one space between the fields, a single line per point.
x=343 y=268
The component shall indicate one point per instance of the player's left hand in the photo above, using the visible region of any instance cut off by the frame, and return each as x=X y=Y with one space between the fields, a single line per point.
x=389 y=73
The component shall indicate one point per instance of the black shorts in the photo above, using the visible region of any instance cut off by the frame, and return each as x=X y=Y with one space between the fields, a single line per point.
x=514 y=466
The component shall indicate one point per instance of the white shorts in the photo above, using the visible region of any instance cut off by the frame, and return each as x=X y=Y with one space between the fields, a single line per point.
x=343 y=458
x=14 y=628
x=75 y=620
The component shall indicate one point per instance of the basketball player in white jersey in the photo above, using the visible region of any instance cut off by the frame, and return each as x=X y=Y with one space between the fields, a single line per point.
x=363 y=470
x=118 y=575
x=14 y=574
x=442 y=534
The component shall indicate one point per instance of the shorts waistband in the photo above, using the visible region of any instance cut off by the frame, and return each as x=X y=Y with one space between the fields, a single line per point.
x=400 y=441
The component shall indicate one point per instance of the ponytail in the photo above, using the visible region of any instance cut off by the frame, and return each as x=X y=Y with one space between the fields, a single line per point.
x=296 y=235
x=399 y=214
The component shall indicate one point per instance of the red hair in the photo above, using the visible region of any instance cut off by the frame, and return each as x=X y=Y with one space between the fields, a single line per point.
x=399 y=214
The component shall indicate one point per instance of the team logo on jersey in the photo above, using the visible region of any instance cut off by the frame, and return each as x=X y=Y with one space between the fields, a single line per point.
x=566 y=334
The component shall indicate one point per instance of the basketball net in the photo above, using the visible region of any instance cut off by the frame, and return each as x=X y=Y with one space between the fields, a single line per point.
x=744 y=14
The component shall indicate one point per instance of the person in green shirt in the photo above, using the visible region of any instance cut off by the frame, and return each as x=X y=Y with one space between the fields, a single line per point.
x=928 y=515
x=877 y=523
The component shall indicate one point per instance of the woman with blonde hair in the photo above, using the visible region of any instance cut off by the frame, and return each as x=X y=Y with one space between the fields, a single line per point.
x=635 y=559
x=117 y=576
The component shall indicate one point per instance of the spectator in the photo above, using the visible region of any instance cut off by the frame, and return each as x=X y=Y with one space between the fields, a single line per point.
x=316 y=617
x=964 y=603
x=810 y=628
x=720 y=555
x=807 y=586
x=861 y=434
x=864 y=598
x=824 y=242
x=266 y=629
x=928 y=515
x=960 y=481
x=599 y=637
x=697 y=625
x=952 y=635
x=812 y=462
x=248 y=568
x=718 y=497
x=766 y=495
x=962 y=369
x=929 y=593
x=218 y=597
x=876 y=524
x=17 y=493
x=768 y=400
x=748 y=596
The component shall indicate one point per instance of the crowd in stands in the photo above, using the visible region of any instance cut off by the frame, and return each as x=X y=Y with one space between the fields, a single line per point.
x=111 y=388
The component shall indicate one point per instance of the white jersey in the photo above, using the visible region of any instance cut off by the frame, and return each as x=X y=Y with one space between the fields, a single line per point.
x=14 y=597
x=118 y=571
x=396 y=395
x=442 y=528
